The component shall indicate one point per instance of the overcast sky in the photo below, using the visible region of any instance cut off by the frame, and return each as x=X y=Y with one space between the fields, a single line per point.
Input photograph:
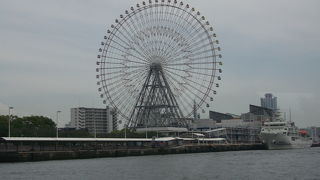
x=48 y=52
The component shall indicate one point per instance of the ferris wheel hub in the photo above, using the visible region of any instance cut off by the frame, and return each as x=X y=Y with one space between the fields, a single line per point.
x=156 y=66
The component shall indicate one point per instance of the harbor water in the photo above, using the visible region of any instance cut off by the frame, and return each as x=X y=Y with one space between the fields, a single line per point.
x=260 y=164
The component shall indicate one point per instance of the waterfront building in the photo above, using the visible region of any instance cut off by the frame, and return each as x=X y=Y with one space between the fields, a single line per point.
x=95 y=120
x=314 y=132
x=258 y=115
x=217 y=116
x=203 y=124
x=269 y=101
x=234 y=130
x=233 y=127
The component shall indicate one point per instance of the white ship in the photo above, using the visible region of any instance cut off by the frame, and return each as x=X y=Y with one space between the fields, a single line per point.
x=284 y=135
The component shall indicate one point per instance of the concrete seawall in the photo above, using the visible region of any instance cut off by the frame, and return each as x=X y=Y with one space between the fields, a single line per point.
x=84 y=154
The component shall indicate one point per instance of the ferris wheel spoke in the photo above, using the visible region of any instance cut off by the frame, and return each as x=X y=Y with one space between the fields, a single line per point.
x=168 y=10
x=201 y=27
x=120 y=59
x=123 y=67
x=201 y=68
x=143 y=61
x=127 y=103
x=156 y=41
x=135 y=83
x=191 y=63
x=146 y=45
x=201 y=58
x=205 y=32
x=125 y=74
x=193 y=53
x=192 y=72
x=136 y=29
x=161 y=20
x=117 y=95
x=189 y=80
x=132 y=40
x=130 y=43
x=202 y=52
x=202 y=46
x=126 y=48
x=180 y=51
x=181 y=98
x=185 y=32
x=108 y=73
x=196 y=35
x=121 y=76
x=186 y=87
x=145 y=33
x=114 y=78
x=115 y=36
x=174 y=12
x=111 y=63
x=112 y=83
x=186 y=102
x=203 y=42
x=179 y=28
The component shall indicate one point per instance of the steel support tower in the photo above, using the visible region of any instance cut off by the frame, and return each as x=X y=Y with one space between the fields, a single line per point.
x=156 y=105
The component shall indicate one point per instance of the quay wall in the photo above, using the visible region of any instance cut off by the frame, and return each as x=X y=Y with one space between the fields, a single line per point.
x=84 y=154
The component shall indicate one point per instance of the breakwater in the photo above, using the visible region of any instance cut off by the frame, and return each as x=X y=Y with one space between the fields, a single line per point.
x=84 y=154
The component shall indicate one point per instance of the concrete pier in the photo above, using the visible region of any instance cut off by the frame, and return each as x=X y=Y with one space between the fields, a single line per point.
x=83 y=154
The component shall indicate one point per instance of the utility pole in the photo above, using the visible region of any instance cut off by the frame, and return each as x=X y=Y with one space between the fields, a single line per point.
x=125 y=131
x=146 y=129
x=57 y=133
x=9 y=119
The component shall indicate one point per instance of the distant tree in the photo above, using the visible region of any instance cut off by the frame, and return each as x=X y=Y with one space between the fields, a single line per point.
x=83 y=133
x=30 y=126
x=39 y=126
x=3 y=126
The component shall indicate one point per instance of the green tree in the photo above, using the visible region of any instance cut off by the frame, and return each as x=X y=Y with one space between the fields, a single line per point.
x=3 y=126
x=33 y=126
x=83 y=133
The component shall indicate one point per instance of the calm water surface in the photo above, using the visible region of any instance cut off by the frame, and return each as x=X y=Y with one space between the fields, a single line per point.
x=273 y=164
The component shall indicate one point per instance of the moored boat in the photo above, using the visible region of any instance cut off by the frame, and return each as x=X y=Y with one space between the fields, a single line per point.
x=284 y=135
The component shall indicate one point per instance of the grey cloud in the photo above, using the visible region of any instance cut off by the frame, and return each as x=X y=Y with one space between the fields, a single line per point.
x=48 y=51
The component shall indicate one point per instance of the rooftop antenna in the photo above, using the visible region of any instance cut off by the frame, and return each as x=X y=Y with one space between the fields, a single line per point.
x=290 y=114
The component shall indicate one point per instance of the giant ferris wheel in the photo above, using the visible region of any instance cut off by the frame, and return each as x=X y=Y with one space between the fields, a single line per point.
x=158 y=64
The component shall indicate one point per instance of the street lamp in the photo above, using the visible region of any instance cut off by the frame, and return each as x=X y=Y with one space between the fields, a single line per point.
x=146 y=129
x=125 y=130
x=10 y=121
x=57 y=123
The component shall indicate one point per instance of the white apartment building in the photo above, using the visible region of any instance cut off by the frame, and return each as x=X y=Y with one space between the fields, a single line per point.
x=96 y=120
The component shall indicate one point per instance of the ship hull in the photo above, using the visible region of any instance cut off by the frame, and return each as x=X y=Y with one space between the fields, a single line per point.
x=282 y=141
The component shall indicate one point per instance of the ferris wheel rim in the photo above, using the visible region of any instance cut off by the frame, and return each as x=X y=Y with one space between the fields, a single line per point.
x=126 y=18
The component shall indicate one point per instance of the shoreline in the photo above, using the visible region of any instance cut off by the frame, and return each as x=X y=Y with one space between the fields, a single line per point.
x=31 y=156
